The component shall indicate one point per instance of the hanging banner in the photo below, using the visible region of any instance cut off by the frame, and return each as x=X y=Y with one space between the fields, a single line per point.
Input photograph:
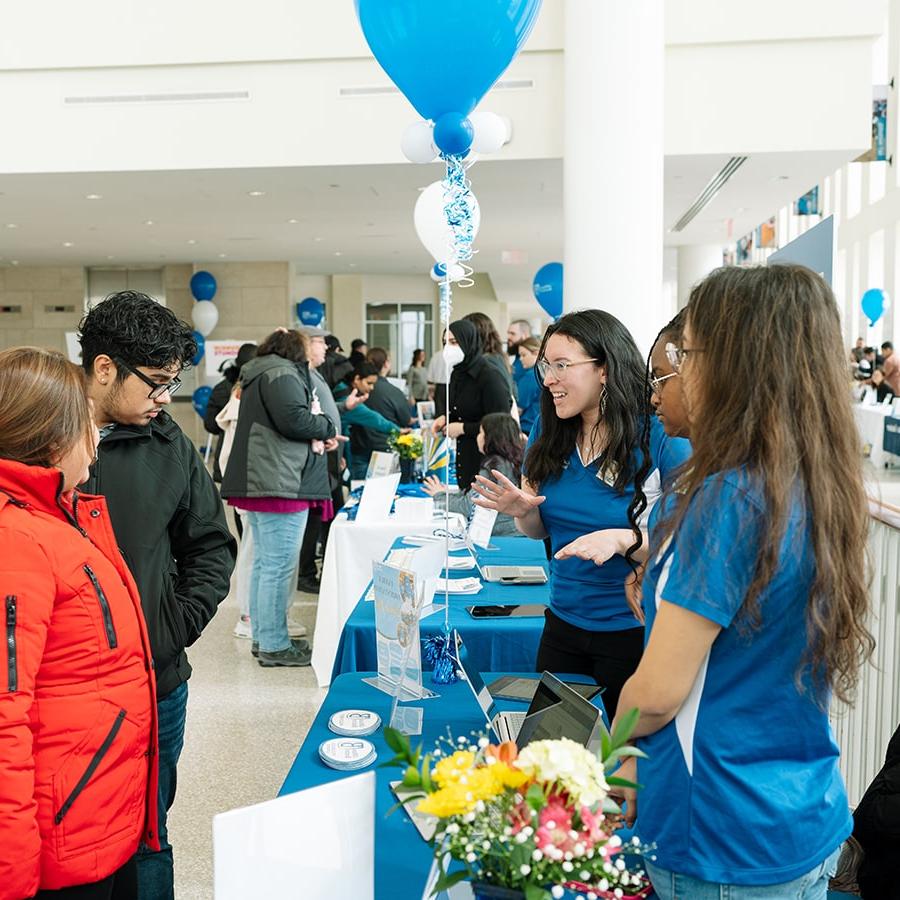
x=218 y=352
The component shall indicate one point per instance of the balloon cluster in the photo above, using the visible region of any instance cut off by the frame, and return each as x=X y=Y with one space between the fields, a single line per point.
x=204 y=316
x=481 y=132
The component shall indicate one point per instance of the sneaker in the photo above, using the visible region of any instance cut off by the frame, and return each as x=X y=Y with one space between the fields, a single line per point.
x=308 y=584
x=301 y=645
x=293 y=656
x=242 y=629
x=295 y=629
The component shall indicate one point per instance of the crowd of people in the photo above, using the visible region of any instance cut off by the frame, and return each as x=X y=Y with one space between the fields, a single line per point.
x=706 y=540
x=877 y=369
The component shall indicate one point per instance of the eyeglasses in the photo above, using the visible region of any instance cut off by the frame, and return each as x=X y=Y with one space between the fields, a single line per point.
x=677 y=355
x=557 y=368
x=657 y=383
x=156 y=390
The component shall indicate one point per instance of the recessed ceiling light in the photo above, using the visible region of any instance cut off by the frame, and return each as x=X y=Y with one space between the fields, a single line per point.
x=110 y=257
x=317 y=239
x=222 y=255
x=11 y=225
x=148 y=221
x=93 y=196
x=293 y=221
x=68 y=244
x=352 y=265
x=191 y=241
x=14 y=262
x=256 y=193
x=338 y=253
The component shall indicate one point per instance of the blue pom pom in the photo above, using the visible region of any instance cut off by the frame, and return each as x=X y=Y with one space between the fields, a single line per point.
x=440 y=656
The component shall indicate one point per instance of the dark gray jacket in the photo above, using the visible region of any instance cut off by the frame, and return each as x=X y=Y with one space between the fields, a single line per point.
x=271 y=454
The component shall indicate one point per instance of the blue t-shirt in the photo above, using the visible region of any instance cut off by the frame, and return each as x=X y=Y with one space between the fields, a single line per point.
x=742 y=787
x=529 y=401
x=578 y=502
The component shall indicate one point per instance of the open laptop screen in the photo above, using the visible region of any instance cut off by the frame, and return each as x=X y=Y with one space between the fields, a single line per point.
x=557 y=711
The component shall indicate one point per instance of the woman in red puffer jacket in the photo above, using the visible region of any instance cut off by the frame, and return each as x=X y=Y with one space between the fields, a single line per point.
x=77 y=695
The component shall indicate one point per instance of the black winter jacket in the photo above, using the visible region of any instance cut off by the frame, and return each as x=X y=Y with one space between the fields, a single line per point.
x=271 y=454
x=170 y=526
x=218 y=400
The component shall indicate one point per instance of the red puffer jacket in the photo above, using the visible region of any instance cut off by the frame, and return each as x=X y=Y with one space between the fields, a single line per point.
x=77 y=695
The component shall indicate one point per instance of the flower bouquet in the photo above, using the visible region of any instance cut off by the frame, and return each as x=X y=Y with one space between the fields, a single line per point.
x=534 y=821
x=409 y=448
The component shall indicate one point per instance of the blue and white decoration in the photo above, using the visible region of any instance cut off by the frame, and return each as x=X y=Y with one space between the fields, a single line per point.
x=874 y=304
x=310 y=312
x=204 y=314
x=548 y=288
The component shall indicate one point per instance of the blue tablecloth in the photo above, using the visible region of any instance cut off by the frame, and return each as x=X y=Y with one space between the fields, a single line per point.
x=494 y=645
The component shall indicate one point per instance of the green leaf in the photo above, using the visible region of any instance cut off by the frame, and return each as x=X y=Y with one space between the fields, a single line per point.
x=605 y=743
x=625 y=725
x=426 y=774
x=533 y=892
x=615 y=781
x=411 y=777
x=535 y=798
x=447 y=881
x=629 y=750
x=610 y=806
x=397 y=741
x=397 y=761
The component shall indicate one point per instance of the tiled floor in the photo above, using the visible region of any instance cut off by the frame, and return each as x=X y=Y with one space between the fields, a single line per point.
x=244 y=726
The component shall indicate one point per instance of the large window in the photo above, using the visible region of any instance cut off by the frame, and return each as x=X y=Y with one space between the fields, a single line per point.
x=400 y=328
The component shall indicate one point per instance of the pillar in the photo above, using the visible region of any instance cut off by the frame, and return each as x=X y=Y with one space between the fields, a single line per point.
x=695 y=262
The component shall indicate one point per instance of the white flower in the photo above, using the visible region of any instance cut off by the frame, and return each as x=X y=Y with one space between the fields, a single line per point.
x=615 y=841
x=537 y=856
x=525 y=869
x=470 y=857
x=604 y=885
x=453 y=828
x=573 y=766
x=584 y=875
x=557 y=891
x=636 y=841
x=485 y=845
x=620 y=865
x=483 y=742
x=567 y=866
x=618 y=892
x=521 y=837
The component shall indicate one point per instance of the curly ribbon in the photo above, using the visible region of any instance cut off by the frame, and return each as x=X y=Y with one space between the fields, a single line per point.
x=439 y=655
x=458 y=203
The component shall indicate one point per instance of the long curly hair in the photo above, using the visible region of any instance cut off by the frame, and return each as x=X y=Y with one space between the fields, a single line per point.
x=784 y=416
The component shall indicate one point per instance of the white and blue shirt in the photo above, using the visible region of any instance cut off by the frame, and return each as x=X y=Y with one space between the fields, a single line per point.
x=580 y=501
x=742 y=787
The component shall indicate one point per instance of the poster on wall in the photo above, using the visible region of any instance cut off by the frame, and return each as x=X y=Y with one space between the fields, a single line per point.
x=219 y=352
x=73 y=347
x=878 y=151
x=808 y=204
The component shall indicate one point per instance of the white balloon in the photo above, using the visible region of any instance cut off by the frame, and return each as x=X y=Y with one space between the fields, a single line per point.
x=205 y=316
x=417 y=143
x=490 y=132
x=431 y=223
x=457 y=272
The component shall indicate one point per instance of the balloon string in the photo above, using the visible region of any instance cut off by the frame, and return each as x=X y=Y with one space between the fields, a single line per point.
x=446 y=312
x=458 y=204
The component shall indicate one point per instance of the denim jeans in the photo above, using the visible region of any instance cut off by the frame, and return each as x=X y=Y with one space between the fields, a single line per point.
x=276 y=549
x=811 y=886
x=156 y=871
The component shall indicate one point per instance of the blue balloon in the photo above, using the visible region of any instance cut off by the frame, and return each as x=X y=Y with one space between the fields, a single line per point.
x=453 y=134
x=548 y=288
x=203 y=286
x=200 y=399
x=310 y=311
x=874 y=303
x=445 y=56
x=201 y=348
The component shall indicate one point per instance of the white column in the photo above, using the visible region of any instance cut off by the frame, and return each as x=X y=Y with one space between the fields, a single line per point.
x=613 y=166
x=695 y=262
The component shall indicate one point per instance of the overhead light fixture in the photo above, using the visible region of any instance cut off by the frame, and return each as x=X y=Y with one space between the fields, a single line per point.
x=317 y=239
x=11 y=225
x=110 y=257
x=352 y=265
x=13 y=262
x=338 y=253
x=191 y=241
x=93 y=196
x=293 y=221
x=256 y=193
x=706 y=196
x=222 y=255
x=68 y=244
x=185 y=97
x=148 y=221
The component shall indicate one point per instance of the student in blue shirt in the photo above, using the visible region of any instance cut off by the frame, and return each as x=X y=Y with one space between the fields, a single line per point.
x=583 y=487
x=529 y=388
x=755 y=597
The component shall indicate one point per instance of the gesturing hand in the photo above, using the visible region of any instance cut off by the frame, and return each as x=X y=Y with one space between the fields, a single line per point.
x=432 y=485
x=504 y=496
x=354 y=398
x=633 y=593
x=596 y=547
x=626 y=795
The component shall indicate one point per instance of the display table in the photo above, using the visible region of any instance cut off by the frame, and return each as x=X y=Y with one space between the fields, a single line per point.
x=494 y=645
x=346 y=570
x=870 y=424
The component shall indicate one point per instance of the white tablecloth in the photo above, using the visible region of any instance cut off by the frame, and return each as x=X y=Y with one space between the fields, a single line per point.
x=870 y=422
x=346 y=572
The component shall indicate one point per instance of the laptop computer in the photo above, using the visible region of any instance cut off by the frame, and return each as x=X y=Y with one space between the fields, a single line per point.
x=555 y=711
x=507 y=574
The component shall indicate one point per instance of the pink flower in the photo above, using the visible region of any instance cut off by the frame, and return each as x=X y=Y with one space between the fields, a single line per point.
x=553 y=836
x=592 y=825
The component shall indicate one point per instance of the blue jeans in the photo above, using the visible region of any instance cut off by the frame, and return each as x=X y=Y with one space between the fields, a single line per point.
x=276 y=549
x=156 y=871
x=811 y=886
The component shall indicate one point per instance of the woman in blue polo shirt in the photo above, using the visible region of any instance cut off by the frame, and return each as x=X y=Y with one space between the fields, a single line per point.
x=583 y=487
x=755 y=599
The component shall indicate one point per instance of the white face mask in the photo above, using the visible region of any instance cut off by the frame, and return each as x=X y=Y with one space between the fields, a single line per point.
x=453 y=354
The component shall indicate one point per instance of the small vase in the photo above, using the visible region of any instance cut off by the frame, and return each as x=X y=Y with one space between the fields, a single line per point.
x=483 y=891
x=407 y=471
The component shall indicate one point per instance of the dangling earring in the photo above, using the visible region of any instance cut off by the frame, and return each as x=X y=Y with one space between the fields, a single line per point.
x=604 y=399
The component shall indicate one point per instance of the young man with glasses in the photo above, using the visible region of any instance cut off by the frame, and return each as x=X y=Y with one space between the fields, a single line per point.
x=166 y=513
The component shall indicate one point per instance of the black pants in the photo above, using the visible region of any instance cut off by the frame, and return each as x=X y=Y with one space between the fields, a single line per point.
x=310 y=542
x=121 y=885
x=609 y=657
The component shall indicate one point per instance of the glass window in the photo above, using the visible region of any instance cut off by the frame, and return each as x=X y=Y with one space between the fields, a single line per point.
x=400 y=328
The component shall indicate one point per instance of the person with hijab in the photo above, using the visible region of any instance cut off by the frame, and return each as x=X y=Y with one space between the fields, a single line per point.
x=476 y=388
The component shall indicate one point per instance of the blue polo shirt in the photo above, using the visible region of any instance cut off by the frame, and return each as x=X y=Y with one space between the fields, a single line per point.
x=529 y=401
x=742 y=787
x=578 y=502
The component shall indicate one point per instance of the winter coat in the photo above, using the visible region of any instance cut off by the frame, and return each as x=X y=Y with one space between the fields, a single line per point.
x=271 y=454
x=170 y=526
x=218 y=400
x=78 y=766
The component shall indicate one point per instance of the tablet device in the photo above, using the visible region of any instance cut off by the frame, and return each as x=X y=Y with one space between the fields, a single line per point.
x=425 y=824
x=509 y=610
x=518 y=687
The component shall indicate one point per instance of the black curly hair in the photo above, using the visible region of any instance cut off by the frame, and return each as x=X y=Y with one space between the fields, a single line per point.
x=134 y=328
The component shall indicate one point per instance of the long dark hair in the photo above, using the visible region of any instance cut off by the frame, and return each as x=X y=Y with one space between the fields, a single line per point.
x=286 y=343
x=789 y=424
x=503 y=440
x=627 y=410
x=487 y=331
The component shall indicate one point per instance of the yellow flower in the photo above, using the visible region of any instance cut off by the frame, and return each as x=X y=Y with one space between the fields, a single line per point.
x=452 y=768
x=449 y=801
x=508 y=777
x=405 y=439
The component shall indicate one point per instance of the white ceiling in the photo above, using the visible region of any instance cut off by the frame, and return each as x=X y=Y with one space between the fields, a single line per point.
x=351 y=218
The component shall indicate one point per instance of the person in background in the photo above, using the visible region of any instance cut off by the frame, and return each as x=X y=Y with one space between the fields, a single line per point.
x=417 y=378
x=866 y=366
x=492 y=347
x=355 y=413
x=438 y=376
x=336 y=366
x=891 y=368
x=876 y=826
x=358 y=351
x=276 y=472
x=518 y=331
x=756 y=600
x=77 y=778
x=218 y=399
x=586 y=468
x=529 y=387
x=166 y=514
x=502 y=448
x=856 y=354
x=476 y=388
x=385 y=399
x=882 y=388
x=666 y=396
